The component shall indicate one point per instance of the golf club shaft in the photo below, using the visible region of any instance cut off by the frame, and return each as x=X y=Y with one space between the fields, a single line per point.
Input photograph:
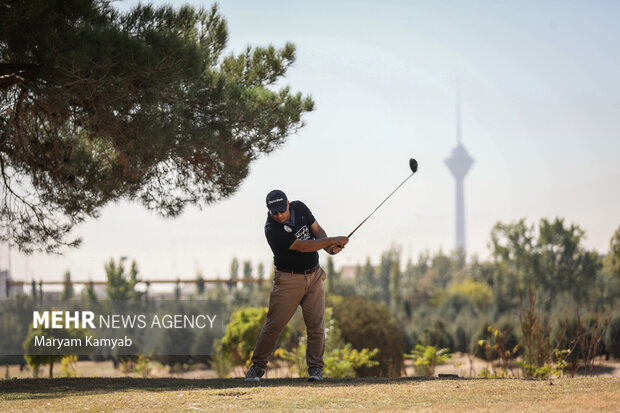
x=388 y=197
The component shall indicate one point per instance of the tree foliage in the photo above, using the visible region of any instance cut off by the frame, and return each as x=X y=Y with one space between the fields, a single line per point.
x=36 y=356
x=120 y=285
x=612 y=259
x=98 y=106
x=551 y=257
x=67 y=291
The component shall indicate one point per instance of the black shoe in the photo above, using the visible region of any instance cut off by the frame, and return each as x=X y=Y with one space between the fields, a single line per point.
x=254 y=374
x=316 y=374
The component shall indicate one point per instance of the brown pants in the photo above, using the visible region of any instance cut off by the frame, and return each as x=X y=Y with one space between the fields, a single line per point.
x=289 y=291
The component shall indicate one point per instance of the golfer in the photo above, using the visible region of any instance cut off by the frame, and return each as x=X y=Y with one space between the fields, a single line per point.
x=295 y=237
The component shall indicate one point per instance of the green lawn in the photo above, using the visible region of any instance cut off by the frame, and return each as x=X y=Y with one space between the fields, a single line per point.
x=445 y=395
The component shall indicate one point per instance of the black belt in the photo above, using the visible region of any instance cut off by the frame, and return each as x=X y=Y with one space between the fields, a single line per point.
x=304 y=272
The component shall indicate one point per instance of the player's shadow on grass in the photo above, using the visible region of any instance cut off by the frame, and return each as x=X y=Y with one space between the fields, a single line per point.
x=62 y=387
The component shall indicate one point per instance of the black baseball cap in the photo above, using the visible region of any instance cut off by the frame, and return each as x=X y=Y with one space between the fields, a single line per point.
x=276 y=201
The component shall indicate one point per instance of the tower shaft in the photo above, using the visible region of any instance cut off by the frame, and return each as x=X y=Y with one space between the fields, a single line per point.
x=460 y=215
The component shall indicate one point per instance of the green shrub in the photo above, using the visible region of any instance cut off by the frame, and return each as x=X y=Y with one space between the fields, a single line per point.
x=296 y=358
x=242 y=332
x=368 y=325
x=478 y=292
x=142 y=367
x=67 y=366
x=220 y=363
x=499 y=341
x=548 y=370
x=341 y=359
x=426 y=358
x=345 y=361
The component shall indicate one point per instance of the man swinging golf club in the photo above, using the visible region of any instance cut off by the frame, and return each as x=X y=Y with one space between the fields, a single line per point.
x=295 y=237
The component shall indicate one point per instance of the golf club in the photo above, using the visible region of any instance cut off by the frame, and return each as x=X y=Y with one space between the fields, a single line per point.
x=413 y=164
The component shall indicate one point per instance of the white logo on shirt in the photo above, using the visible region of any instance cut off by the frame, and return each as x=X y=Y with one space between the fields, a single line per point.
x=288 y=229
x=303 y=234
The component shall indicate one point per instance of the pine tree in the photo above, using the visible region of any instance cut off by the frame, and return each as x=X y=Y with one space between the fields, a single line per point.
x=121 y=286
x=260 y=269
x=234 y=273
x=200 y=283
x=98 y=106
x=67 y=292
x=247 y=274
x=332 y=276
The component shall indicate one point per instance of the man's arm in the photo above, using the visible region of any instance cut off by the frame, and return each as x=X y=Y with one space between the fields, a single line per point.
x=318 y=230
x=320 y=233
x=313 y=245
x=322 y=241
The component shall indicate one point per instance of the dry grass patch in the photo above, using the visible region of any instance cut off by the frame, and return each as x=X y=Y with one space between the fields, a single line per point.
x=128 y=394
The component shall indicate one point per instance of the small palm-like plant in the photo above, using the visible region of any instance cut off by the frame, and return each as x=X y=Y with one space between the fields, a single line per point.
x=426 y=358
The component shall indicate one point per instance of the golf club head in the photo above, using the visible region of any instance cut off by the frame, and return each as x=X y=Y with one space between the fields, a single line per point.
x=413 y=164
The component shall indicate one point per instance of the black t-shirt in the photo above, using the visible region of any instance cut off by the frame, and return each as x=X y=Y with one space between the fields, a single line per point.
x=281 y=236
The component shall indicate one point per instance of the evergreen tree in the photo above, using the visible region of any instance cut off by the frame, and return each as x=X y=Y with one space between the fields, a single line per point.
x=260 y=269
x=612 y=259
x=121 y=286
x=177 y=290
x=365 y=281
x=332 y=276
x=609 y=279
x=200 y=283
x=395 y=291
x=33 y=290
x=91 y=295
x=247 y=274
x=97 y=105
x=67 y=292
x=234 y=272
x=385 y=269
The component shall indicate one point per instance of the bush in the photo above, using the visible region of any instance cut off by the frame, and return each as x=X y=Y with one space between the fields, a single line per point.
x=499 y=338
x=220 y=363
x=345 y=361
x=583 y=337
x=479 y=293
x=426 y=358
x=67 y=366
x=241 y=334
x=138 y=364
x=172 y=346
x=368 y=325
x=341 y=359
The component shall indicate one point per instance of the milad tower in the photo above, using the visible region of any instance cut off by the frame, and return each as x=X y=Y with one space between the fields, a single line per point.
x=459 y=163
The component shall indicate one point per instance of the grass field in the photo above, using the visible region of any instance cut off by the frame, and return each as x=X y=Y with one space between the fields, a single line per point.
x=445 y=395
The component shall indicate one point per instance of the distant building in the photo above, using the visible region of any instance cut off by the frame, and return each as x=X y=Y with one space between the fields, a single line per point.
x=459 y=163
x=348 y=272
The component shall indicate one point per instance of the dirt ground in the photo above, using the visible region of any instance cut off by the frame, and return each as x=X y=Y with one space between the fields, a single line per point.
x=461 y=365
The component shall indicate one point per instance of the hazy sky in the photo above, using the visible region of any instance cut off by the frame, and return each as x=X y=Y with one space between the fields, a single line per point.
x=540 y=98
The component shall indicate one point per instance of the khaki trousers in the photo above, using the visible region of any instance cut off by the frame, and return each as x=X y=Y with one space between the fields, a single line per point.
x=289 y=291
